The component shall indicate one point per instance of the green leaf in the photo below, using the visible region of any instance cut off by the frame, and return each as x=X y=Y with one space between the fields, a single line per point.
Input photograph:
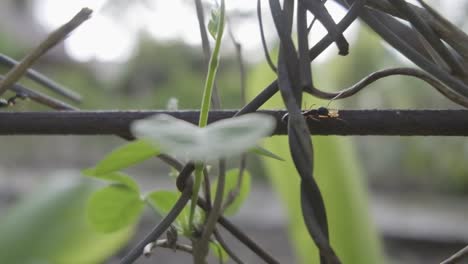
x=115 y=177
x=114 y=207
x=163 y=201
x=219 y=252
x=218 y=140
x=214 y=23
x=265 y=152
x=230 y=187
x=49 y=225
x=127 y=155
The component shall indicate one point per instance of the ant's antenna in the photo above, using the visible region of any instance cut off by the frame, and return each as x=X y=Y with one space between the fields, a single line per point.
x=336 y=97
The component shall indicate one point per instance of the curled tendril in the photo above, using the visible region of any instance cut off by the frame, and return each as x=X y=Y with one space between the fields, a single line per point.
x=366 y=81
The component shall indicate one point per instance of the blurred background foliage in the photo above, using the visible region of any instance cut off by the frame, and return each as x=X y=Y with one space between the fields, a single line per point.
x=49 y=225
x=153 y=75
x=159 y=69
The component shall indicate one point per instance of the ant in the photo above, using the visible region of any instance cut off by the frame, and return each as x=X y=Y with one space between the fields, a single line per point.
x=321 y=112
x=318 y=113
x=12 y=100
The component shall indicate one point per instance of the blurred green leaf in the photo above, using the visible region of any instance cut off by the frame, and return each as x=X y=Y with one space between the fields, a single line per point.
x=116 y=177
x=50 y=226
x=220 y=139
x=214 y=23
x=219 y=252
x=163 y=201
x=114 y=207
x=265 y=152
x=232 y=177
x=125 y=156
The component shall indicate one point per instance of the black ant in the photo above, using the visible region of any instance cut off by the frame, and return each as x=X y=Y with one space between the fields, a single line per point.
x=12 y=100
x=316 y=114
x=321 y=112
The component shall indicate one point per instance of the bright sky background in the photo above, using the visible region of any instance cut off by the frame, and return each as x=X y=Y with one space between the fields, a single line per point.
x=111 y=37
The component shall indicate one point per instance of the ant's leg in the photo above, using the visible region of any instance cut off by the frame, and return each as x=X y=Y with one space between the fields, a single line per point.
x=307 y=117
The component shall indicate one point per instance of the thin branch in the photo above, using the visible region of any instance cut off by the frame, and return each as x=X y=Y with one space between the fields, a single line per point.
x=446 y=30
x=318 y=9
x=311 y=25
x=234 y=193
x=349 y=122
x=41 y=98
x=137 y=251
x=164 y=243
x=314 y=52
x=262 y=36
x=226 y=248
x=43 y=80
x=231 y=228
x=53 y=39
x=243 y=79
x=394 y=33
x=171 y=161
x=240 y=62
x=460 y=255
x=426 y=31
x=243 y=238
x=403 y=71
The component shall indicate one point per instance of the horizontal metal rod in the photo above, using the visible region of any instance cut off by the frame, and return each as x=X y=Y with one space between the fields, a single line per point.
x=349 y=122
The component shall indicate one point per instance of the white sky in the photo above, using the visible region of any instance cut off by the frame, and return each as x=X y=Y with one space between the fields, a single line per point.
x=112 y=37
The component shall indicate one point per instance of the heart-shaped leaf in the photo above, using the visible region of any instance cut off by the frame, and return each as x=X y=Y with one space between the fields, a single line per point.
x=114 y=207
x=125 y=156
x=218 y=140
x=115 y=177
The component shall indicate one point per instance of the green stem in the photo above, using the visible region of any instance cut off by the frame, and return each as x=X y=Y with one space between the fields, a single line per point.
x=212 y=69
x=196 y=188
x=202 y=244
x=205 y=106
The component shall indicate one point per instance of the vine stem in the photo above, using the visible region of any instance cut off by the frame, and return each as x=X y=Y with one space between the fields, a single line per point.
x=137 y=251
x=202 y=244
x=205 y=106
x=212 y=70
x=457 y=257
x=196 y=188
